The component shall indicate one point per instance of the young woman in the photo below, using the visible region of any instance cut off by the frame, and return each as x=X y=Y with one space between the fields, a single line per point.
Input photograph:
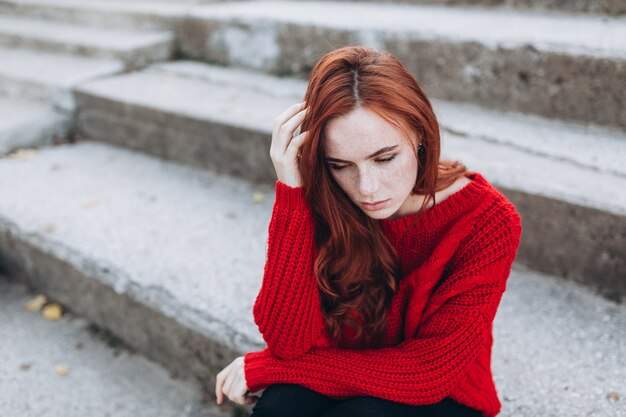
x=385 y=265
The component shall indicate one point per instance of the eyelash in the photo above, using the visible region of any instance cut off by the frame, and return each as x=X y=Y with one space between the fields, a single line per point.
x=384 y=161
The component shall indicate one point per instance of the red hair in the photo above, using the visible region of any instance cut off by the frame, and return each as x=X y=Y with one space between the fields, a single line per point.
x=356 y=266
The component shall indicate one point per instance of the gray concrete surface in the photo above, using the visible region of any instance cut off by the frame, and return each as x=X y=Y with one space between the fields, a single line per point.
x=559 y=351
x=26 y=124
x=134 y=48
x=597 y=36
x=102 y=13
x=501 y=59
x=611 y=7
x=48 y=76
x=136 y=276
x=105 y=377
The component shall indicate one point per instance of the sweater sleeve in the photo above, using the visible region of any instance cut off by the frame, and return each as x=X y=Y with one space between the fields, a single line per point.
x=420 y=370
x=287 y=309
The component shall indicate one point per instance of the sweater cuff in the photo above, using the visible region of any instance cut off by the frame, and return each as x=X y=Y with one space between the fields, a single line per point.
x=254 y=365
x=290 y=197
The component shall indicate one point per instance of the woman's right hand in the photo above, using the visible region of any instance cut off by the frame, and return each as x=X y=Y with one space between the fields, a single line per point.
x=284 y=149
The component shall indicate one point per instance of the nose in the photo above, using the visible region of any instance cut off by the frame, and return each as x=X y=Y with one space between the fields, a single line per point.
x=368 y=184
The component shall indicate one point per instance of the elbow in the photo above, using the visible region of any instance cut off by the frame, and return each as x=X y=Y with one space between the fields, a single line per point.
x=441 y=388
x=286 y=352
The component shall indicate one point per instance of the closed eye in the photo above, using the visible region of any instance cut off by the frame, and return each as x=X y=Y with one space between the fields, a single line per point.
x=381 y=161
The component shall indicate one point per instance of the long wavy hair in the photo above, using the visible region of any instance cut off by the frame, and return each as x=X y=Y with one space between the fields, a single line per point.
x=356 y=267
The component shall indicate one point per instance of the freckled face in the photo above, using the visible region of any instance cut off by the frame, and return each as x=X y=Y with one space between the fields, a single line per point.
x=387 y=177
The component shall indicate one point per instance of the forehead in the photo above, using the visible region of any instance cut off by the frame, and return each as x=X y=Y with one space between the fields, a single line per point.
x=359 y=133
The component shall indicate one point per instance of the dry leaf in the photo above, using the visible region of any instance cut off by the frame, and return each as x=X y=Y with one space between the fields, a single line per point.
x=46 y=230
x=52 y=311
x=90 y=203
x=613 y=396
x=258 y=197
x=62 y=369
x=22 y=153
x=36 y=303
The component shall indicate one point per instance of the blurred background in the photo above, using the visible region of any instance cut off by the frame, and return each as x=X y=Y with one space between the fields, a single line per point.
x=136 y=186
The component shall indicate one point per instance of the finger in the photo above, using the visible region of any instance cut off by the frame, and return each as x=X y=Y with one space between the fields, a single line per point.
x=250 y=399
x=283 y=128
x=240 y=389
x=287 y=114
x=228 y=386
x=289 y=128
x=219 y=382
x=294 y=145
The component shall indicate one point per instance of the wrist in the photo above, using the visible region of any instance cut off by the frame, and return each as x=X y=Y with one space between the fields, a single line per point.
x=290 y=197
x=254 y=370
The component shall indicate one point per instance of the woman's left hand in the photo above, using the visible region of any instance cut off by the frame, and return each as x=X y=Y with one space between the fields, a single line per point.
x=231 y=382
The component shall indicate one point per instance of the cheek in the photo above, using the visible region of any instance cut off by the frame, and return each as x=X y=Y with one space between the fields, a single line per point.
x=340 y=179
x=404 y=170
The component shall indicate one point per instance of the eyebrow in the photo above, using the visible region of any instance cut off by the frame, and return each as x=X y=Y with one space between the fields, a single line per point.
x=378 y=152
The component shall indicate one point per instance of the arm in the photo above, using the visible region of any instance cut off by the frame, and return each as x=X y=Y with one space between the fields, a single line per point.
x=425 y=368
x=287 y=309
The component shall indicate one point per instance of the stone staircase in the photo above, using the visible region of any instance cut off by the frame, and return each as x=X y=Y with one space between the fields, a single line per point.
x=88 y=371
x=153 y=220
x=43 y=59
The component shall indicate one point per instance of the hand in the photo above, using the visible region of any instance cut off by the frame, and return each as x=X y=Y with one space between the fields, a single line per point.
x=231 y=382
x=284 y=148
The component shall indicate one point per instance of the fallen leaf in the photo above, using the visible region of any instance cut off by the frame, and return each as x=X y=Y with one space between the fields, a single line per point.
x=62 y=369
x=22 y=153
x=46 y=230
x=613 y=396
x=90 y=203
x=52 y=311
x=257 y=197
x=36 y=303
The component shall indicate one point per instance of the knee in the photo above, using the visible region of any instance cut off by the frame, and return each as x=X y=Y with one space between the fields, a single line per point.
x=364 y=407
x=278 y=401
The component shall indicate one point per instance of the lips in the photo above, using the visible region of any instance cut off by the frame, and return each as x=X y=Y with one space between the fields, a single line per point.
x=375 y=205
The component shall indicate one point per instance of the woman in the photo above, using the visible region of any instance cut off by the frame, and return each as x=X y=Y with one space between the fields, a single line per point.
x=385 y=266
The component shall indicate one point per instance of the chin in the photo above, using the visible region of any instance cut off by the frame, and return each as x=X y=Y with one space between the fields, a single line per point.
x=379 y=214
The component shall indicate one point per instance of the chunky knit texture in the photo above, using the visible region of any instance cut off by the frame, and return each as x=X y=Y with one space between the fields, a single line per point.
x=455 y=262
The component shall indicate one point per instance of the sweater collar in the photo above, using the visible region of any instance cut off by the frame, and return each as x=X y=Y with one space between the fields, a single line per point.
x=447 y=209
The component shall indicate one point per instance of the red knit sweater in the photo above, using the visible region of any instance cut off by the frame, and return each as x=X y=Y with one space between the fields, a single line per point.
x=455 y=262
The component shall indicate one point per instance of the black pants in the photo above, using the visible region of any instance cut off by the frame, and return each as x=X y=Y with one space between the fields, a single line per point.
x=290 y=400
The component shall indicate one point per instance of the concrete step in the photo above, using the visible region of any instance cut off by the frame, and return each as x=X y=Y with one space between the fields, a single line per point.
x=127 y=109
x=135 y=49
x=105 y=377
x=547 y=63
x=565 y=178
x=102 y=13
x=609 y=7
x=550 y=64
x=49 y=77
x=27 y=124
x=132 y=277
x=170 y=259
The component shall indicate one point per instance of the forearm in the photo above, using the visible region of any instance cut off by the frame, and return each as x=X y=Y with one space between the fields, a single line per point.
x=287 y=309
